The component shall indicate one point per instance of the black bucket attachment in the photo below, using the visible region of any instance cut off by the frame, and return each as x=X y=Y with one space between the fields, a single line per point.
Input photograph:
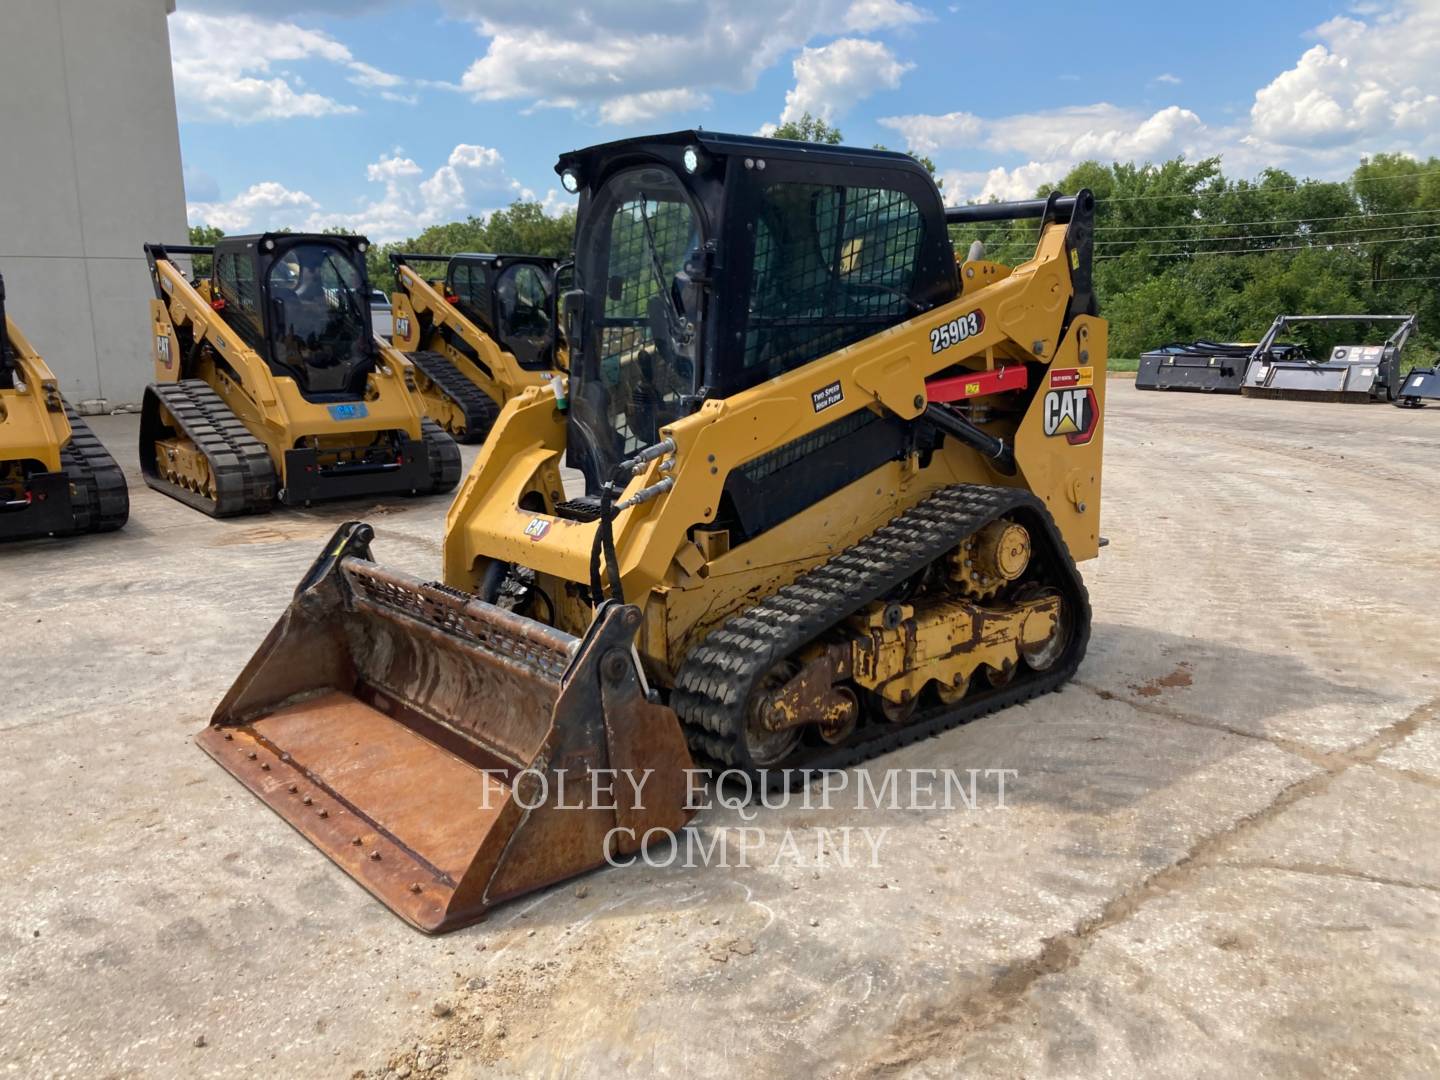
x=1420 y=386
x=1202 y=366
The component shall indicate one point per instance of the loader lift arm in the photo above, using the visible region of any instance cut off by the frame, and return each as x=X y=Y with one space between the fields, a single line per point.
x=468 y=338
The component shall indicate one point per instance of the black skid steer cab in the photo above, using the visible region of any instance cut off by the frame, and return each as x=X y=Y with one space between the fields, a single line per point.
x=1352 y=373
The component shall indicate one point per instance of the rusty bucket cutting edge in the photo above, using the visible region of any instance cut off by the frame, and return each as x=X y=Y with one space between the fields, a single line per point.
x=389 y=720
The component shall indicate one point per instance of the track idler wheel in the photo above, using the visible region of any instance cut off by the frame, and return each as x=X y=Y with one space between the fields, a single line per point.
x=1041 y=656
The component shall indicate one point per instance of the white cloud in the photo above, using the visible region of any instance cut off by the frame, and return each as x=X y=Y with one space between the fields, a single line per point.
x=831 y=79
x=624 y=62
x=223 y=67
x=1370 y=83
x=925 y=134
x=632 y=108
x=1000 y=183
x=363 y=74
x=868 y=15
x=473 y=180
x=391 y=168
x=1054 y=141
x=1102 y=131
x=1366 y=85
x=290 y=8
x=557 y=201
x=1168 y=79
x=262 y=206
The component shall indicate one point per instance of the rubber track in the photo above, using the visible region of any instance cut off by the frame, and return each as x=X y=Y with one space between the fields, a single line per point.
x=239 y=462
x=480 y=411
x=717 y=679
x=444 y=457
x=99 y=496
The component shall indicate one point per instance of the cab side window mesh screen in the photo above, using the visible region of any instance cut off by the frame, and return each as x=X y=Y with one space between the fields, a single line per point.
x=650 y=236
x=235 y=279
x=471 y=283
x=832 y=265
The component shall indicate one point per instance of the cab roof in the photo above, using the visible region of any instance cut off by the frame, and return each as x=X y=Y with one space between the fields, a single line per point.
x=719 y=144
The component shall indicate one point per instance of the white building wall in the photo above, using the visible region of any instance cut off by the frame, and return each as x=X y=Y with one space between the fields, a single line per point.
x=89 y=171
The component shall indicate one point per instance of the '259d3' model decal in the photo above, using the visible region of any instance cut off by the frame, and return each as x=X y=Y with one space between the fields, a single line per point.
x=956 y=330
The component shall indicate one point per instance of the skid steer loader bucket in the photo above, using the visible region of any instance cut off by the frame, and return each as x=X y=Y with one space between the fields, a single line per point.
x=446 y=753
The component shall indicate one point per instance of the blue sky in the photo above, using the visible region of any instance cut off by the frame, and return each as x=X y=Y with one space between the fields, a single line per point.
x=389 y=115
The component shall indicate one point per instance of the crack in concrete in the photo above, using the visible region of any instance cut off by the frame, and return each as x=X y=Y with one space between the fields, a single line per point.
x=1326 y=870
x=1324 y=759
x=946 y=1024
x=1398 y=772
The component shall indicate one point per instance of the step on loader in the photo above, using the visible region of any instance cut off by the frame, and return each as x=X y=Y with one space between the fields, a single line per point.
x=835 y=484
x=479 y=337
x=1353 y=373
x=271 y=384
x=55 y=477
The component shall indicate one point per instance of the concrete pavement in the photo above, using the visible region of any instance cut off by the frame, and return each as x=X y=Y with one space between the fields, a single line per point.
x=1215 y=855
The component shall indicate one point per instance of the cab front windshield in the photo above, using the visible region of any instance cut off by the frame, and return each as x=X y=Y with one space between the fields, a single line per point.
x=320 y=323
x=643 y=310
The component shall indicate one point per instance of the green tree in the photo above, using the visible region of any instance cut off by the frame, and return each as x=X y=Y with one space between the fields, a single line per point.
x=203 y=236
x=813 y=129
x=808 y=129
x=522 y=228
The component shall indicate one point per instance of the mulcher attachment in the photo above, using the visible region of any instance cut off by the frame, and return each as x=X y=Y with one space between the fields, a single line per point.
x=446 y=753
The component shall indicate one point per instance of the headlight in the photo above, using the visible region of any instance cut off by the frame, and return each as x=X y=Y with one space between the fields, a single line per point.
x=694 y=160
x=570 y=181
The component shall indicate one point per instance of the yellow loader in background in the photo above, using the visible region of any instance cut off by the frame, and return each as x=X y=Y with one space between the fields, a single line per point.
x=55 y=477
x=479 y=337
x=836 y=481
x=271 y=384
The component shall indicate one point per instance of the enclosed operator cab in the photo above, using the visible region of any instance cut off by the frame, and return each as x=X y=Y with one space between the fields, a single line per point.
x=707 y=264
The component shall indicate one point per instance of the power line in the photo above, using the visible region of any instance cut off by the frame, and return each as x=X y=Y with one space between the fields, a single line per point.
x=1284 y=235
x=1266 y=221
x=1268 y=191
x=1266 y=250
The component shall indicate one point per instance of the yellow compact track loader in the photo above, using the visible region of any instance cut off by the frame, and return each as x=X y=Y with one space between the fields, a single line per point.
x=835 y=484
x=270 y=382
x=479 y=337
x=55 y=477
